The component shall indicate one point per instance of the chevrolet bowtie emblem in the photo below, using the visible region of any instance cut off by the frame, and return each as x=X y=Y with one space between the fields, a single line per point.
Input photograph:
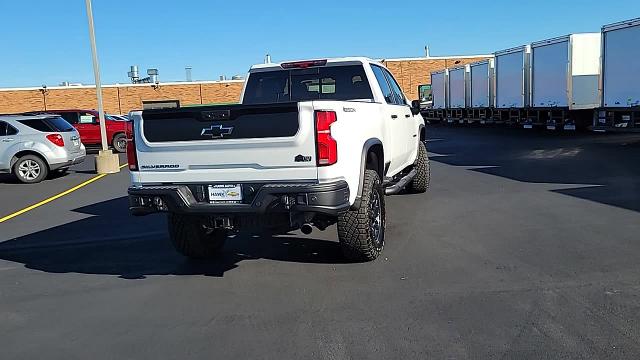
x=216 y=131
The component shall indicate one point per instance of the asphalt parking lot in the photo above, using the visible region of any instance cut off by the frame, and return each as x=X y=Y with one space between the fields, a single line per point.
x=526 y=246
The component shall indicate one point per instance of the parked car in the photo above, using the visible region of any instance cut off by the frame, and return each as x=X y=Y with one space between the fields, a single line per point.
x=31 y=146
x=313 y=143
x=87 y=123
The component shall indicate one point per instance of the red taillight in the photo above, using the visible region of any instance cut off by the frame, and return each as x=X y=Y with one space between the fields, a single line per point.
x=56 y=139
x=303 y=64
x=326 y=145
x=132 y=157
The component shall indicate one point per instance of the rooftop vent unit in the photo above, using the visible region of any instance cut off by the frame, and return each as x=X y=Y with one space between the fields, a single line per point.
x=134 y=75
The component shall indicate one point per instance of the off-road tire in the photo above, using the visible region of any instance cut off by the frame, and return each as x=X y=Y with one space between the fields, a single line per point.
x=420 y=182
x=119 y=143
x=354 y=226
x=24 y=175
x=192 y=239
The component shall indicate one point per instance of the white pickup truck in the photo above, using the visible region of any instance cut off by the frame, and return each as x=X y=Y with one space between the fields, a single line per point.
x=313 y=143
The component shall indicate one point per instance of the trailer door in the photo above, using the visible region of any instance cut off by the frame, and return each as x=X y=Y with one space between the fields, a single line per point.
x=549 y=68
x=621 y=67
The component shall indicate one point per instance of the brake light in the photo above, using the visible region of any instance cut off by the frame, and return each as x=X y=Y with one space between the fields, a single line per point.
x=327 y=147
x=132 y=157
x=56 y=139
x=303 y=64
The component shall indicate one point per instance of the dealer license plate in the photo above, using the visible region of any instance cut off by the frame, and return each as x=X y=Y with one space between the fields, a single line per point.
x=228 y=193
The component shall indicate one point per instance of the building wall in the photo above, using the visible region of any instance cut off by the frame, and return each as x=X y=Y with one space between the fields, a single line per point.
x=81 y=98
x=120 y=99
x=21 y=100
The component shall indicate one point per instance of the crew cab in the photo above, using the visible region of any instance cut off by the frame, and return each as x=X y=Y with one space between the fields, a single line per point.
x=87 y=122
x=311 y=144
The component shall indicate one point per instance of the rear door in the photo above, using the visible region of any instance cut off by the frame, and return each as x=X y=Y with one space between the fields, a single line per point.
x=232 y=143
x=405 y=124
x=89 y=127
x=392 y=147
x=394 y=117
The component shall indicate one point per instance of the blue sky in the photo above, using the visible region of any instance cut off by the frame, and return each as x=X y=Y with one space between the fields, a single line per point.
x=46 y=41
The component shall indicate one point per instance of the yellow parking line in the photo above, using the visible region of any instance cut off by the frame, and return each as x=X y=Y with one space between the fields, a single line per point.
x=54 y=197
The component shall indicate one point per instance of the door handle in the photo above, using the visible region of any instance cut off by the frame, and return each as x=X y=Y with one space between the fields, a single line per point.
x=407 y=115
x=7 y=140
x=394 y=116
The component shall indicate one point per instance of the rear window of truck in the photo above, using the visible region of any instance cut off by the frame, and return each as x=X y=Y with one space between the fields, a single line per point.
x=54 y=124
x=347 y=82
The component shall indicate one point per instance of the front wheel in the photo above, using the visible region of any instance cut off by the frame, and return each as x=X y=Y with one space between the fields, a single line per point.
x=361 y=231
x=192 y=237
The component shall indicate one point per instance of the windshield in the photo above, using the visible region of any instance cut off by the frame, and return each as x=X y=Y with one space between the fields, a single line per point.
x=348 y=82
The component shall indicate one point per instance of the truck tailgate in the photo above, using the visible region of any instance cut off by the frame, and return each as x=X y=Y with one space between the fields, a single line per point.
x=231 y=143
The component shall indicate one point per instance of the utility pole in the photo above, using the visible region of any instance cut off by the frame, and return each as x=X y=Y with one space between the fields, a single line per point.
x=106 y=161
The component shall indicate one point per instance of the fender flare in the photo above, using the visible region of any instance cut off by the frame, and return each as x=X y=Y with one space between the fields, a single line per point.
x=363 y=163
x=14 y=157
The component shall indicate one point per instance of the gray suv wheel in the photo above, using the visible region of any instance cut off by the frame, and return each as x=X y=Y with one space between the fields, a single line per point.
x=30 y=169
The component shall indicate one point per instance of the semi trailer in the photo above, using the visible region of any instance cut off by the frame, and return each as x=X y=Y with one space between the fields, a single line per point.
x=480 y=85
x=564 y=82
x=457 y=94
x=439 y=93
x=511 y=85
x=620 y=79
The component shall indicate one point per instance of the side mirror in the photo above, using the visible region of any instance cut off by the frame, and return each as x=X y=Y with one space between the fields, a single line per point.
x=415 y=107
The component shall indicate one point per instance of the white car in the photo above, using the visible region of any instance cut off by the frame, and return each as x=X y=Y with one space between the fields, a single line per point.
x=33 y=145
x=313 y=143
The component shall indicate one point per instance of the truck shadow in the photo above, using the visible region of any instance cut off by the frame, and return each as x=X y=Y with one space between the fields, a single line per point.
x=603 y=167
x=111 y=242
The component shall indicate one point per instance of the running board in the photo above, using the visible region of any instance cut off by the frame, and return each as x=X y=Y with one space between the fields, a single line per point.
x=397 y=187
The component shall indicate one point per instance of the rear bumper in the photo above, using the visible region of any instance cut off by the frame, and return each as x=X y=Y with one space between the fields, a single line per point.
x=328 y=198
x=73 y=161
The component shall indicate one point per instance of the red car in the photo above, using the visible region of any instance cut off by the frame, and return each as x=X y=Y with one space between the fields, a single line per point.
x=88 y=125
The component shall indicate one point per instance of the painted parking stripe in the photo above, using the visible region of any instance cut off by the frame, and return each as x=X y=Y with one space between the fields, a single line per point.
x=54 y=197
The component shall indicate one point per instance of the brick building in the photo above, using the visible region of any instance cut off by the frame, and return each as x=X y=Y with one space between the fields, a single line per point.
x=121 y=98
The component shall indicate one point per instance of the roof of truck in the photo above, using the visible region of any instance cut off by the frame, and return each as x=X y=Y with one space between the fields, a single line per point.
x=361 y=59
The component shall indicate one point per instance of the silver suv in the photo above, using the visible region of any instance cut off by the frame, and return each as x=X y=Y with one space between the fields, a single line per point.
x=33 y=145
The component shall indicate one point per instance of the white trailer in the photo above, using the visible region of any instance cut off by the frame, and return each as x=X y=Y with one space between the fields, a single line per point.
x=565 y=72
x=512 y=77
x=564 y=80
x=480 y=82
x=511 y=84
x=620 y=77
x=457 y=94
x=457 y=87
x=439 y=80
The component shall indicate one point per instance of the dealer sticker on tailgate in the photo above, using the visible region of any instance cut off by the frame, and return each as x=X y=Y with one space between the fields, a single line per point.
x=225 y=193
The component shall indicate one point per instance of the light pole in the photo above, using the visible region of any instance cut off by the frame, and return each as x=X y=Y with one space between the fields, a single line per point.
x=106 y=161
